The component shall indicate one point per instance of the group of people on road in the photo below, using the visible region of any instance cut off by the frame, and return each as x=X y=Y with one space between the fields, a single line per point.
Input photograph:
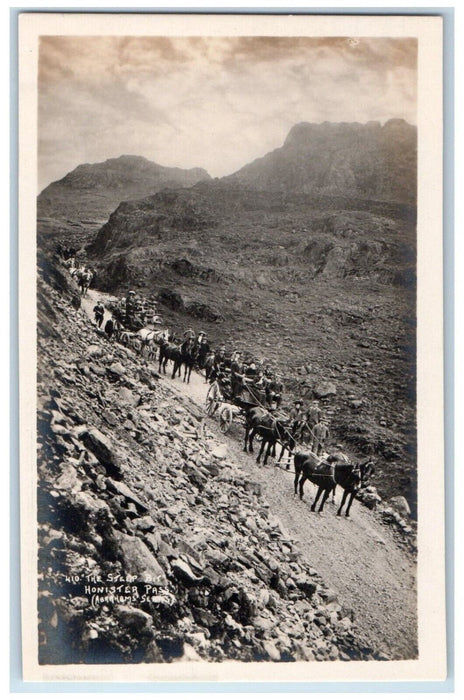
x=75 y=262
x=135 y=311
x=127 y=314
x=112 y=325
x=65 y=251
x=237 y=377
x=234 y=374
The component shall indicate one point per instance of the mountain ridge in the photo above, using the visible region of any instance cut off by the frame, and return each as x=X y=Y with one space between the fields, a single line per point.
x=98 y=188
x=345 y=158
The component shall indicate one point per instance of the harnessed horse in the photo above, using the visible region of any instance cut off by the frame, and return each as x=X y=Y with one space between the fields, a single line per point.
x=150 y=338
x=271 y=429
x=327 y=474
x=83 y=278
x=187 y=358
x=169 y=351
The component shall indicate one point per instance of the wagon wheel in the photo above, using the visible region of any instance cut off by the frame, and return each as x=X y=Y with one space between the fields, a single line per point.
x=211 y=402
x=225 y=419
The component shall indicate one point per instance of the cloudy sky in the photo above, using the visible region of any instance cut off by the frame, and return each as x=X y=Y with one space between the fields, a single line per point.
x=216 y=103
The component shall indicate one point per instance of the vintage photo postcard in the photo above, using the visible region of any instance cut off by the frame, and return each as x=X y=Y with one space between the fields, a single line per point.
x=231 y=394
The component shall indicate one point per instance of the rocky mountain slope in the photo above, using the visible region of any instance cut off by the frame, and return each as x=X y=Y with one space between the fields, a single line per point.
x=317 y=286
x=87 y=195
x=306 y=260
x=368 y=161
x=154 y=545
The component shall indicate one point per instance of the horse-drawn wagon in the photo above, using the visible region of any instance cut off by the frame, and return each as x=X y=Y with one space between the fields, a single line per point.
x=232 y=406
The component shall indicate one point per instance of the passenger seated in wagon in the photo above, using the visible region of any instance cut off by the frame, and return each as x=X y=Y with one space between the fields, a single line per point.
x=219 y=359
x=237 y=375
x=223 y=378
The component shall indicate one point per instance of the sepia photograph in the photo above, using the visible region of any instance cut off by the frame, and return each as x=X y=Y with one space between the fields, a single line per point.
x=231 y=373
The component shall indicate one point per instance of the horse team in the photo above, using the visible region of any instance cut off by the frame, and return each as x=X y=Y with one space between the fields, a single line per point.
x=326 y=473
x=273 y=429
x=183 y=355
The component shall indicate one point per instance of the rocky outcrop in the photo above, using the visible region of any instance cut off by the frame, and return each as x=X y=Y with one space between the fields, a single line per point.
x=173 y=300
x=154 y=545
x=151 y=219
x=203 y=312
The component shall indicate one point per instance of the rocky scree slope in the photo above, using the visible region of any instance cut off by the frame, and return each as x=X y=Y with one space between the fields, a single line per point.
x=364 y=160
x=131 y=485
x=320 y=289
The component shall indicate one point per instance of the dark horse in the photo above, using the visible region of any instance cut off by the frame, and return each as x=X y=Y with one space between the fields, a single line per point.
x=169 y=351
x=188 y=355
x=326 y=475
x=271 y=430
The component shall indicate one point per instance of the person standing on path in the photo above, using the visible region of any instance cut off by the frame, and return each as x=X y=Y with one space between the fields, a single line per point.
x=311 y=418
x=109 y=328
x=203 y=350
x=296 y=416
x=237 y=374
x=320 y=435
x=313 y=414
x=99 y=312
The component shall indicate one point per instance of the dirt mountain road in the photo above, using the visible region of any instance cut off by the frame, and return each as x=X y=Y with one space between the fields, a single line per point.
x=357 y=557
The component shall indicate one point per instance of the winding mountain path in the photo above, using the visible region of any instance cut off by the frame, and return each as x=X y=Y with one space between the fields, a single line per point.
x=357 y=557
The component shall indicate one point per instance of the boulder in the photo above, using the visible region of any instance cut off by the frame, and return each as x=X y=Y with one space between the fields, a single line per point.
x=133 y=617
x=145 y=524
x=271 y=650
x=183 y=572
x=369 y=499
x=219 y=451
x=153 y=540
x=126 y=396
x=96 y=369
x=68 y=481
x=186 y=548
x=110 y=418
x=94 y=351
x=115 y=371
x=308 y=587
x=203 y=312
x=101 y=447
x=89 y=504
x=253 y=487
x=329 y=596
x=264 y=623
x=324 y=389
x=173 y=300
x=213 y=469
x=190 y=654
x=137 y=560
x=153 y=653
x=400 y=504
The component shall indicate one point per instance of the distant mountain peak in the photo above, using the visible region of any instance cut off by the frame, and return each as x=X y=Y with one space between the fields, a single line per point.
x=94 y=190
x=368 y=161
